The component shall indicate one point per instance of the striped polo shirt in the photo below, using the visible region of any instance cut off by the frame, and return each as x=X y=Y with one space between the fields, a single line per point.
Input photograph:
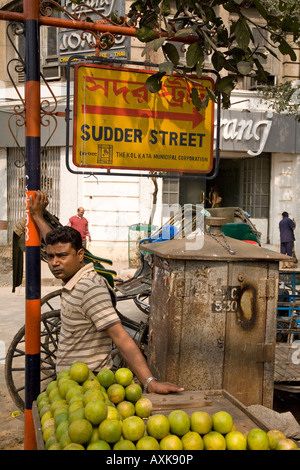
x=86 y=312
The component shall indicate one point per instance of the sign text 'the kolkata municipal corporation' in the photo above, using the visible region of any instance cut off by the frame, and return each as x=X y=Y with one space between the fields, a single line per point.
x=118 y=123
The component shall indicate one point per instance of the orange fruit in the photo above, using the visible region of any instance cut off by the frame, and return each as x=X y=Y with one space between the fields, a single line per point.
x=47 y=423
x=74 y=446
x=76 y=414
x=133 y=428
x=65 y=385
x=158 y=426
x=57 y=404
x=75 y=406
x=126 y=409
x=133 y=392
x=51 y=386
x=222 y=422
x=42 y=397
x=45 y=409
x=257 y=439
x=201 y=422
x=42 y=403
x=54 y=395
x=110 y=430
x=80 y=431
x=179 y=422
x=77 y=390
x=61 y=429
x=192 y=441
x=62 y=374
x=124 y=444
x=99 y=445
x=64 y=440
x=50 y=441
x=116 y=393
x=235 y=440
x=143 y=407
x=123 y=376
x=106 y=377
x=95 y=411
x=62 y=417
x=49 y=431
x=214 y=441
x=91 y=384
x=79 y=372
x=95 y=435
x=286 y=444
x=113 y=413
x=55 y=446
x=171 y=442
x=147 y=443
x=91 y=395
x=274 y=435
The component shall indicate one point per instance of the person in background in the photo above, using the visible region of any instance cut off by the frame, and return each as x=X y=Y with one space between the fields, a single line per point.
x=287 y=237
x=214 y=197
x=81 y=224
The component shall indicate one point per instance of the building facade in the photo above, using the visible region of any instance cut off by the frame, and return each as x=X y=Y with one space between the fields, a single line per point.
x=259 y=167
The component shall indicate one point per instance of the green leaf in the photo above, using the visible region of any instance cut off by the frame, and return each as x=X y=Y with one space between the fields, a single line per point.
x=154 y=82
x=194 y=54
x=286 y=49
x=218 y=60
x=145 y=34
x=225 y=84
x=157 y=43
x=261 y=9
x=165 y=7
x=242 y=33
x=166 y=68
x=199 y=68
x=244 y=67
x=185 y=32
x=211 y=94
x=171 y=52
x=196 y=100
x=230 y=6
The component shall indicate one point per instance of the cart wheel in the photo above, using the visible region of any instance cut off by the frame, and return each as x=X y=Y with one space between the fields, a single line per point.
x=15 y=358
x=51 y=301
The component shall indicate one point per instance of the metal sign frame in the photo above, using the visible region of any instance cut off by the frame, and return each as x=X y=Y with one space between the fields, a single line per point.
x=82 y=59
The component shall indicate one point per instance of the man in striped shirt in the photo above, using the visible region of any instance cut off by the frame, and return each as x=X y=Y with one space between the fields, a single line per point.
x=89 y=322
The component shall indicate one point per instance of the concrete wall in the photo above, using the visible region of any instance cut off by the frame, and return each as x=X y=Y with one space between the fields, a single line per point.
x=285 y=194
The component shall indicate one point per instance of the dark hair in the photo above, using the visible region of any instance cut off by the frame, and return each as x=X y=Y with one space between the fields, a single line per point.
x=285 y=214
x=64 y=235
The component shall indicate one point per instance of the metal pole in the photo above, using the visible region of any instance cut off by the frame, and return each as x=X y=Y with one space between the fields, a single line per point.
x=33 y=263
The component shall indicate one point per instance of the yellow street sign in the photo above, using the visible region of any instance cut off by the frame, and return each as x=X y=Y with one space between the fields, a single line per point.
x=120 y=124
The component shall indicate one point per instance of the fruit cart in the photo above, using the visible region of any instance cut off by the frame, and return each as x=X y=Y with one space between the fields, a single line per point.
x=210 y=401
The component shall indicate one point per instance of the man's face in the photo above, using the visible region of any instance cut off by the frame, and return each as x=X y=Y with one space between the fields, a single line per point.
x=64 y=261
x=80 y=212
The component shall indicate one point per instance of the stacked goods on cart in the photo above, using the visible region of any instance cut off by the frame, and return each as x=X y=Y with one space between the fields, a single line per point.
x=83 y=411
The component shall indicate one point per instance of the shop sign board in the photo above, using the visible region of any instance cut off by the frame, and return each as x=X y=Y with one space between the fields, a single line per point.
x=72 y=42
x=120 y=124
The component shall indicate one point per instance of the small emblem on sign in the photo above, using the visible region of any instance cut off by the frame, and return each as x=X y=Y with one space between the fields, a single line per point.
x=105 y=154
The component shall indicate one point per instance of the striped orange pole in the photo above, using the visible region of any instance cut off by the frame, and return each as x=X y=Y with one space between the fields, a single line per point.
x=33 y=263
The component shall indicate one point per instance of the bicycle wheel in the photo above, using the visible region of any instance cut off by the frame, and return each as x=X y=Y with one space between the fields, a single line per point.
x=15 y=358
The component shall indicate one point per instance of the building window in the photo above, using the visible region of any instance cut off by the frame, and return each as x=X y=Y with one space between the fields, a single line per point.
x=170 y=194
x=255 y=187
